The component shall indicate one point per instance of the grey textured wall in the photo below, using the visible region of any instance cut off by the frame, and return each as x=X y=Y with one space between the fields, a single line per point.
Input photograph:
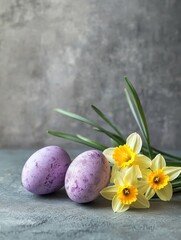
x=71 y=54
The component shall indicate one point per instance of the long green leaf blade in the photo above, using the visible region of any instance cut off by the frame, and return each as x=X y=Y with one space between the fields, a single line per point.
x=136 y=105
x=91 y=142
x=75 y=138
x=103 y=116
x=166 y=154
x=113 y=136
x=135 y=113
x=76 y=116
x=177 y=189
x=87 y=121
x=137 y=100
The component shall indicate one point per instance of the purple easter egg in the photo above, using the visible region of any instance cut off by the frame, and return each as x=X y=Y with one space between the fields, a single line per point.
x=87 y=175
x=44 y=172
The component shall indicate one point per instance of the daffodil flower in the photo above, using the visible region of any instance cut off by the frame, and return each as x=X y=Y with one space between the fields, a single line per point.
x=125 y=193
x=157 y=179
x=128 y=155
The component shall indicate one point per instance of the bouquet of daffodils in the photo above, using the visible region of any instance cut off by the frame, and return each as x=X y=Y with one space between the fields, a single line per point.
x=139 y=171
x=135 y=178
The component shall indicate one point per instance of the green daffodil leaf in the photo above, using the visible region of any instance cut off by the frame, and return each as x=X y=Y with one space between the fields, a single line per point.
x=78 y=139
x=137 y=111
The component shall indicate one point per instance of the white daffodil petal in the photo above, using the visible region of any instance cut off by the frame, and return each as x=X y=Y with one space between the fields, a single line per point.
x=149 y=193
x=172 y=172
x=113 y=173
x=145 y=172
x=165 y=194
x=131 y=175
x=117 y=177
x=142 y=186
x=135 y=142
x=142 y=161
x=108 y=153
x=115 y=203
x=141 y=202
x=138 y=172
x=123 y=208
x=109 y=192
x=117 y=206
x=158 y=162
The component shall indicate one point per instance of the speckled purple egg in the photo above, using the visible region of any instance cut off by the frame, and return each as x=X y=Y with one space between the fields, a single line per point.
x=87 y=175
x=44 y=172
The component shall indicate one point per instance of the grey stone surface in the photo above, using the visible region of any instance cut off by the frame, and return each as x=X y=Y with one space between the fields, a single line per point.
x=71 y=54
x=27 y=216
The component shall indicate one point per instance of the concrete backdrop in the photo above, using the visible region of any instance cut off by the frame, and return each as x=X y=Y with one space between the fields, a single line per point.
x=71 y=54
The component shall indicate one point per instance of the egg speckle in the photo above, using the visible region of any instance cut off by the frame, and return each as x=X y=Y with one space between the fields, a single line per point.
x=44 y=172
x=87 y=175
